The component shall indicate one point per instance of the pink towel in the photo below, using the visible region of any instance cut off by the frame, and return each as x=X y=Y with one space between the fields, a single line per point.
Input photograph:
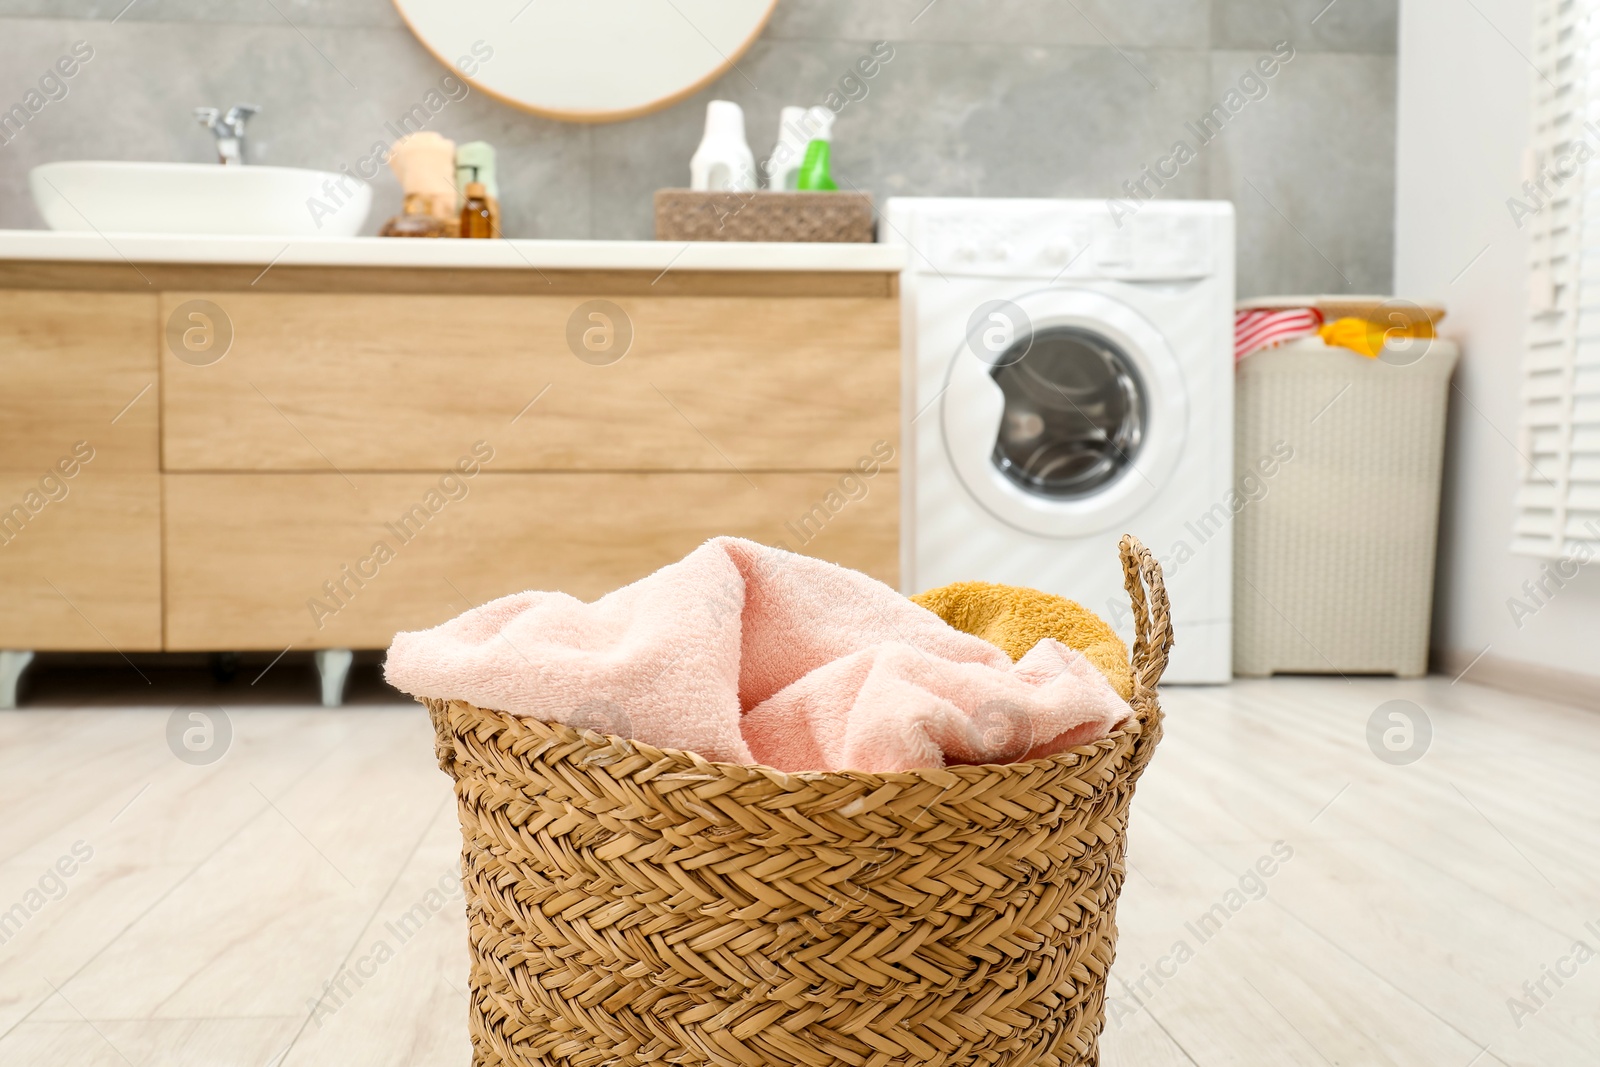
x=749 y=654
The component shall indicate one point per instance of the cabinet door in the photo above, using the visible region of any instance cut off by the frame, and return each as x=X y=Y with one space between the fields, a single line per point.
x=80 y=497
x=269 y=561
x=80 y=560
x=78 y=367
x=396 y=382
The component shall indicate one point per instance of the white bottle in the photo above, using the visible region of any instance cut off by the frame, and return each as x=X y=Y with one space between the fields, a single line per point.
x=723 y=162
x=819 y=124
x=783 y=169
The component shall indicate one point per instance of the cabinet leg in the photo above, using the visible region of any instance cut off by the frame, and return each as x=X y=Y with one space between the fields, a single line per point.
x=333 y=664
x=12 y=663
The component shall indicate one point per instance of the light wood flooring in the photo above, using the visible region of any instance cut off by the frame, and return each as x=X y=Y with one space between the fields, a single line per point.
x=253 y=911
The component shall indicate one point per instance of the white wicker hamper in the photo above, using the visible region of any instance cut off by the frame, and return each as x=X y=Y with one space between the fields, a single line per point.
x=1334 y=560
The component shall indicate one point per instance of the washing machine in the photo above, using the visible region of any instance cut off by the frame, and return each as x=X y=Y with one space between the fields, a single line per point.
x=1068 y=377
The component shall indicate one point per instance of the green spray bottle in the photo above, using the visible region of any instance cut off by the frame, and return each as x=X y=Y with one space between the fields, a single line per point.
x=816 y=171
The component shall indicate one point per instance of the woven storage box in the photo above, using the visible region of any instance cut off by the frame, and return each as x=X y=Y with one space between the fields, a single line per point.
x=690 y=215
x=1333 y=564
x=632 y=905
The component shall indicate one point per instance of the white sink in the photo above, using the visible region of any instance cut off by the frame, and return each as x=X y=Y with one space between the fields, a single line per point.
x=199 y=198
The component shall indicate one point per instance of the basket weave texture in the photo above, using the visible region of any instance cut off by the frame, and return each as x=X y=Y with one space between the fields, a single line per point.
x=632 y=905
x=691 y=215
x=1347 y=530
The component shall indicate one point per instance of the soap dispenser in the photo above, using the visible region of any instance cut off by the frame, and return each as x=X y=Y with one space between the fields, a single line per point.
x=480 y=155
x=783 y=168
x=475 y=216
x=723 y=162
x=816 y=174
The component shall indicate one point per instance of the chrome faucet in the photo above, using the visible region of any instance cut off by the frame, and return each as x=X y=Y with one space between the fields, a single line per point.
x=228 y=129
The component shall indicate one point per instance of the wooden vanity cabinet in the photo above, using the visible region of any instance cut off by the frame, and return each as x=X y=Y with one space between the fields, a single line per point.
x=325 y=459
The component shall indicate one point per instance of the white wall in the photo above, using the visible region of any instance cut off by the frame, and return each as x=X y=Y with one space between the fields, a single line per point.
x=1465 y=90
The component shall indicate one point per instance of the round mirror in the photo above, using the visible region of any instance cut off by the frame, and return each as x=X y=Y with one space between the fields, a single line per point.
x=589 y=61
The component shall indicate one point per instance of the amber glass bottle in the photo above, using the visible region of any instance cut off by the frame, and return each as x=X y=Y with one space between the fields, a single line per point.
x=415 y=221
x=476 y=220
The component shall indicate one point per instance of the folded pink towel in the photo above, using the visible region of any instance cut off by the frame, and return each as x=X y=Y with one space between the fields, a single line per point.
x=749 y=654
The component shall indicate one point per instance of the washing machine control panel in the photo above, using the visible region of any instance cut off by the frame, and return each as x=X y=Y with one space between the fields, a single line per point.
x=1142 y=242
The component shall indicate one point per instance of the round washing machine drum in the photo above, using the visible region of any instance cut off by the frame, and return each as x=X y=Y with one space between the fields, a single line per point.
x=1063 y=412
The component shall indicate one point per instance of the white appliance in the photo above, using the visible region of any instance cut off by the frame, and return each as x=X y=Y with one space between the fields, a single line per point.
x=1068 y=376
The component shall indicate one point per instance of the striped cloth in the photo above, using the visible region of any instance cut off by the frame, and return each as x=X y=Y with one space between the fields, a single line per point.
x=1265 y=327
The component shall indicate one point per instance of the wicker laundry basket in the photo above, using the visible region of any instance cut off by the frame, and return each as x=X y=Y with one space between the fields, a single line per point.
x=633 y=905
x=1333 y=562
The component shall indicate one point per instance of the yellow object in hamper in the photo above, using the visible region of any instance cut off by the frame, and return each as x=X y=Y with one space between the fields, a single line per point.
x=1367 y=338
x=1015 y=619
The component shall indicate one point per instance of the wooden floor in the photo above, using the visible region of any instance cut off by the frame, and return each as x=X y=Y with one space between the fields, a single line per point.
x=295 y=902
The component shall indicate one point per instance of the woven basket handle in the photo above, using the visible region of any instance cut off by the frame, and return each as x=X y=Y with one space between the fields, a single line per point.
x=1152 y=618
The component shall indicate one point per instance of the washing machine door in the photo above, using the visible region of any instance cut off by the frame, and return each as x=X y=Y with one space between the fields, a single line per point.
x=1063 y=412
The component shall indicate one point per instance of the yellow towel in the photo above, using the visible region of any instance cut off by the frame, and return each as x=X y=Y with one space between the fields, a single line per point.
x=1016 y=619
x=1367 y=338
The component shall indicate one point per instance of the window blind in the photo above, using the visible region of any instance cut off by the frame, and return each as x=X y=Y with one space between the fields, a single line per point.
x=1558 y=500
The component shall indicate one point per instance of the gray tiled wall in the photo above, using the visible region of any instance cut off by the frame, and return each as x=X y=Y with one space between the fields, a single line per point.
x=982 y=97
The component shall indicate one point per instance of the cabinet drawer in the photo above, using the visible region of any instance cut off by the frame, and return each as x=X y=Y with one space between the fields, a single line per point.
x=266 y=561
x=78 y=367
x=394 y=382
x=80 y=560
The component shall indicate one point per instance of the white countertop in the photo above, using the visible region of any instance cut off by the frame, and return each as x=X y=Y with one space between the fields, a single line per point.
x=491 y=254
